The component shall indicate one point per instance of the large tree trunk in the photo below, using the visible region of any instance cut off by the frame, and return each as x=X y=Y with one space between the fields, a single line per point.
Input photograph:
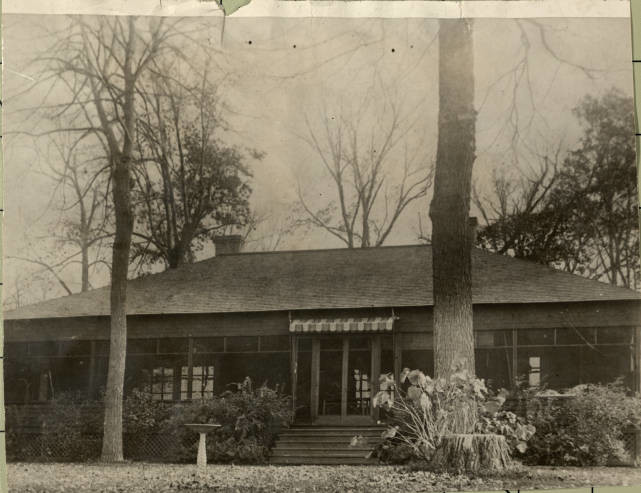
x=449 y=211
x=112 y=437
x=121 y=193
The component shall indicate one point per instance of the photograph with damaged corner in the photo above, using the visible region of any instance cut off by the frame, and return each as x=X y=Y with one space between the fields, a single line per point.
x=345 y=241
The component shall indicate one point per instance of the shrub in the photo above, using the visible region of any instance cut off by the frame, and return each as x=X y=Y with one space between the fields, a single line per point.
x=69 y=431
x=584 y=428
x=430 y=409
x=72 y=427
x=517 y=430
x=142 y=414
x=250 y=420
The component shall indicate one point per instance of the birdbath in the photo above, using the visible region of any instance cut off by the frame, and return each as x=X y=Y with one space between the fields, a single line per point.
x=202 y=429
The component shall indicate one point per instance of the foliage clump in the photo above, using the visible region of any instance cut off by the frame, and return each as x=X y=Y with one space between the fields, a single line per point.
x=68 y=430
x=423 y=413
x=585 y=427
x=250 y=420
x=71 y=427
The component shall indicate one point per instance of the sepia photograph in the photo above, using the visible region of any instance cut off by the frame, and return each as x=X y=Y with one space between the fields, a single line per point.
x=320 y=254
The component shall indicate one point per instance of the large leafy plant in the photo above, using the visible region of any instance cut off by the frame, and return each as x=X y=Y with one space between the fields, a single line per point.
x=422 y=410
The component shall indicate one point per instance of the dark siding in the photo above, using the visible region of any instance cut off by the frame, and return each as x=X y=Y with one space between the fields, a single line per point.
x=544 y=315
x=410 y=319
x=273 y=323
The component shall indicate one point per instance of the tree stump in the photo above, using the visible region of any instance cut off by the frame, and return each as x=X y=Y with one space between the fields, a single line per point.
x=472 y=453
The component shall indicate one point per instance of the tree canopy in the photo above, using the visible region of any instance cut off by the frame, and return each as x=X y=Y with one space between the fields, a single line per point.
x=192 y=185
x=577 y=213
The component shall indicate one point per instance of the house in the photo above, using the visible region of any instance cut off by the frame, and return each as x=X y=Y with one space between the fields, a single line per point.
x=322 y=324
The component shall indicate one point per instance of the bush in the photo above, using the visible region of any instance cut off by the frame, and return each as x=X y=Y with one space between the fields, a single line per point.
x=69 y=430
x=518 y=431
x=141 y=414
x=250 y=419
x=585 y=427
x=72 y=427
x=430 y=409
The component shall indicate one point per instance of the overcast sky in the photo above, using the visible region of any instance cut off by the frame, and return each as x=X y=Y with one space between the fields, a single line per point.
x=295 y=69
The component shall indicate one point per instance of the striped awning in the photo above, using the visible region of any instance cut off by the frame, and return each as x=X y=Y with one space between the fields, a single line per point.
x=337 y=325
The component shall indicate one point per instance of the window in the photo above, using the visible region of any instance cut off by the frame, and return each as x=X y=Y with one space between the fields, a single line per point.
x=304 y=344
x=102 y=348
x=536 y=337
x=575 y=336
x=141 y=346
x=15 y=350
x=387 y=343
x=614 y=335
x=359 y=343
x=242 y=344
x=173 y=345
x=362 y=384
x=75 y=348
x=417 y=341
x=422 y=359
x=493 y=338
x=162 y=384
x=534 y=375
x=209 y=345
x=45 y=348
x=274 y=343
x=494 y=365
x=202 y=382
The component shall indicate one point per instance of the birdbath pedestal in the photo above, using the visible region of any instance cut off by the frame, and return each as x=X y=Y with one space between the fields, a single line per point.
x=202 y=430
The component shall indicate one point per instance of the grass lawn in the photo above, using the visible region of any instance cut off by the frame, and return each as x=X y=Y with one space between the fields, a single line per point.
x=140 y=477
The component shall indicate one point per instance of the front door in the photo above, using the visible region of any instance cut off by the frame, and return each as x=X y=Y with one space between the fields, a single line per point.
x=339 y=376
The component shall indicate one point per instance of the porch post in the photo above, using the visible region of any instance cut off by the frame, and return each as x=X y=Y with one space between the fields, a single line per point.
x=176 y=382
x=190 y=368
x=515 y=359
x=344 y=378
x=398 y=356
x=293 y=370
x=637 y=359
x=315 y=377
x=376 y=373
x=637 y=384
x=92 y=371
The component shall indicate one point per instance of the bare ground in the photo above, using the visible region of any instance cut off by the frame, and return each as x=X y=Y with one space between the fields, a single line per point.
x=142 y=478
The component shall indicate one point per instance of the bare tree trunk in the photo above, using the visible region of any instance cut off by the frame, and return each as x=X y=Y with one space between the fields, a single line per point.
x=449 y=211
x=112 y=438
x=112 y=450
x=85 y=267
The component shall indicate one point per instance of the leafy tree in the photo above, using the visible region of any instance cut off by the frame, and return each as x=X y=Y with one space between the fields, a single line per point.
x=579 y=213
x=192 y=185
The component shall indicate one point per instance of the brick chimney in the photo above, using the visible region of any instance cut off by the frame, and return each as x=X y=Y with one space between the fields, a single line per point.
x=228 y=244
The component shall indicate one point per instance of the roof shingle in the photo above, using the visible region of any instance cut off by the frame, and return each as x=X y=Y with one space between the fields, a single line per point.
x=319 y=279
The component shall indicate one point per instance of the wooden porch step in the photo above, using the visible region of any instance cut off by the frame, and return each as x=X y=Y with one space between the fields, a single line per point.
x=320 y=452
x=334 y=431
x=340 y=461
x=329 y=440
x=335 y=428
x=325 y=445
x=338 y=434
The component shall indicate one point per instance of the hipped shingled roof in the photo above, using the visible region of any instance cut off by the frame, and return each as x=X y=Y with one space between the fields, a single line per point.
x=321 y=279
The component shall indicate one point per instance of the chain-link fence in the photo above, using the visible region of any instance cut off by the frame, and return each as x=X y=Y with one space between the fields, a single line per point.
x=43 y=447
x=28 y=440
